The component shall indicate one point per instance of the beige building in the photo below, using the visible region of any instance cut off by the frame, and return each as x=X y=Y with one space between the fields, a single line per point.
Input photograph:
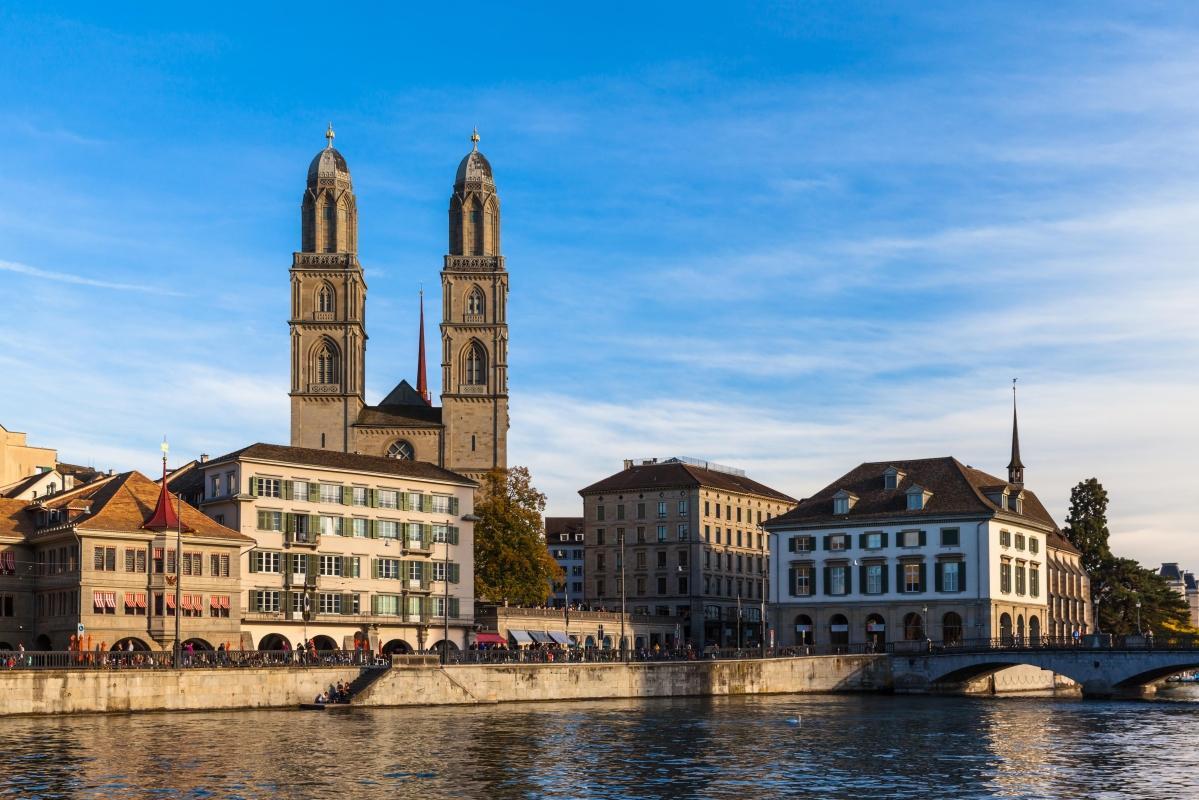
x=685 y=536
x=555 y=627
x=469 y=432
x=20 y=460
x=103 y=556
x=347 y=548
x=1069 y=589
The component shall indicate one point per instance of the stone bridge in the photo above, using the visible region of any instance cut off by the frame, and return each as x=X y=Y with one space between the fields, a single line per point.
x=1101 y=672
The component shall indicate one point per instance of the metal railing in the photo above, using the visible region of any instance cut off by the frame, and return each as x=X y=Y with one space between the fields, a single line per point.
x=595 y=655
x=205 y=659
x=1094 y=641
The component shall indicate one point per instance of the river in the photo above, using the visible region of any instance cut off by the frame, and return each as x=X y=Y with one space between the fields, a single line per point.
x=812 y=746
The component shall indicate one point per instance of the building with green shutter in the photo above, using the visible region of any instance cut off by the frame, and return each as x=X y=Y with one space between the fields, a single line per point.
x=903 y=552
x=349 y=549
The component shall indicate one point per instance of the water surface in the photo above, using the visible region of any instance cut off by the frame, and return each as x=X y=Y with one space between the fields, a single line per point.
x=842 y=746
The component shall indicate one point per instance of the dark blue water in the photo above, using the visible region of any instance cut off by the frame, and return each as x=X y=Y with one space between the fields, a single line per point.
x=759 y=747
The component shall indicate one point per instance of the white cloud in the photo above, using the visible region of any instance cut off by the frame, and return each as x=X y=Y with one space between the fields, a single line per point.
x=66 y=277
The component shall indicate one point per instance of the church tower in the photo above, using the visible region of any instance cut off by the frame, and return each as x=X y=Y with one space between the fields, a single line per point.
x=328 y=310
x=474 y=328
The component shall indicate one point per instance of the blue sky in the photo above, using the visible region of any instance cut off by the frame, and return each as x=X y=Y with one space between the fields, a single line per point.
x=789 y=237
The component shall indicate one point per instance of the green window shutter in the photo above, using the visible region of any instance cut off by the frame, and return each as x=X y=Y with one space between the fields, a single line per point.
x=454 y=608
x=862 y=579
x=453 y=534
x=314 y=567
x=253 y=599
x=426 y=503
x=374 y=568
x=899 y=578
x=923 y=538
x=347 y=604
x=884 y=542
x=262 y=520
x=285 y=602
x=923 y=577
x=314 y=492
x=426 y=534
x=862 y=541
x=826 y=577
x=372 y=497
x=454 y=505
x=374 y=604
x=961 y=576
x=427 y=574
x=937 y=576
x=454 y=573
x=791 y=544
x=254 y=486
x=289 y=490
x=824 y=543
x=289 y=523
x=848 y=580
x=372 y=528
x=346 y=495
x=253 y=561
x=885 y=576
x=790 y=580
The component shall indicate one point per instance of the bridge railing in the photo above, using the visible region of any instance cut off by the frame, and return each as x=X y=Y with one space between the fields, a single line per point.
x=1100 y=641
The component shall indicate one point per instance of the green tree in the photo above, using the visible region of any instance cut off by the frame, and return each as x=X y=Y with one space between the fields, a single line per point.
x=512 y=564
x=1118 y=583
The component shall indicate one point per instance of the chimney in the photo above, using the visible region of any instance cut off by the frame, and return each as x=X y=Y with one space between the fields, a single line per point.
x=628 y=463
x=203 y=458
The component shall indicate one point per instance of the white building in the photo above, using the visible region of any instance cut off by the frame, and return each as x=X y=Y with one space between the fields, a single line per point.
x=349 y=548
x=912 y=550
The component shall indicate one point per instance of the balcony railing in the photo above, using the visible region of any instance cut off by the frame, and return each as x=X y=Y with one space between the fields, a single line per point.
x=207 y=659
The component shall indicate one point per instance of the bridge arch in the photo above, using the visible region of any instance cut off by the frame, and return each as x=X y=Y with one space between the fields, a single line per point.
x=1156 y=674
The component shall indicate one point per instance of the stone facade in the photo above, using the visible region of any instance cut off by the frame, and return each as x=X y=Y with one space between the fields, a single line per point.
x=599 y=629
x=20 y=460
x=469 y=432
x=692 y=534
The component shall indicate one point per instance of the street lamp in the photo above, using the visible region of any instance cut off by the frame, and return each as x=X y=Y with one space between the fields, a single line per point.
x=924 y=623
x=1138 y=616
x=624 y=656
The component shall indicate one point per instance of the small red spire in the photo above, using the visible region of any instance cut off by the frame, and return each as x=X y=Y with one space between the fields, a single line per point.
x=164 y=517
x=422 y=383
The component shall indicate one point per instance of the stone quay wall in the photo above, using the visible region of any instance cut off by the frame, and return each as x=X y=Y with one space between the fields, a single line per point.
x=66 y=691
x=508 y=683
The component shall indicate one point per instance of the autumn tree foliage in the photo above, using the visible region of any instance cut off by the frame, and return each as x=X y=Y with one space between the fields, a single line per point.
x=512 y=564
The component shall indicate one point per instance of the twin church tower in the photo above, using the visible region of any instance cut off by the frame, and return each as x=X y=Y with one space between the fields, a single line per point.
x=469 y=432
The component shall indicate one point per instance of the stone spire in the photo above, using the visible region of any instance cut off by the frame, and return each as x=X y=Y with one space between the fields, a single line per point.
x=1015 y=469
x=165 y=516
x=422 y=381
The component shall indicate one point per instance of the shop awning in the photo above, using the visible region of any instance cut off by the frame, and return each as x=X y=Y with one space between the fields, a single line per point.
x=560 y=638
x=520 y=637
x=541 y=637
x=490 y=638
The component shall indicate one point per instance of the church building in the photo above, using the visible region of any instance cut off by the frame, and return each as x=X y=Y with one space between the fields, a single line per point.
x=468 y=433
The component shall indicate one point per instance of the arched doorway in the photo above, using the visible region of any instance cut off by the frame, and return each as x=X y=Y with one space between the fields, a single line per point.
x=639 y=642
x=1005 y=628
x=1020 y=629
x=876 y=633
x=397 y=647
x=198 y=645
x=437 y=646
x=274 y=641
x=838 y=630
x=42 y=642
x=589 y=642
x=1034 y=631
x=951 y=628
x=139 y=646
x=5 y=647
x=607 y=643
x=803 y=630
x=324 y=644
x=913 y=627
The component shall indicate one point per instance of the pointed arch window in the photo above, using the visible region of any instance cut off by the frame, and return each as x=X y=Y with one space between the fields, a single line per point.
x=330 y=225
x=327 y=366
x=325 y=299
x=476 y=228
x=402 y=450
x=476 y=365
x=475 y=303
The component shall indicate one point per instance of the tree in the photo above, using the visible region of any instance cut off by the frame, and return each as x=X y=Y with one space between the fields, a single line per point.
x=1118 y=583
x=512 y=564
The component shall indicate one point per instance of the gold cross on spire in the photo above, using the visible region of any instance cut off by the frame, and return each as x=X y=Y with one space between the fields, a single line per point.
x=474 y=137
x=329 y=134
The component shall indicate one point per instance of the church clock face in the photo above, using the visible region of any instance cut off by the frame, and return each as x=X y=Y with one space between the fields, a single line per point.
x=401 y=450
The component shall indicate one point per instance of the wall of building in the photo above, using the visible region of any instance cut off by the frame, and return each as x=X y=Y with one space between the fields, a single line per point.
x=18 y=459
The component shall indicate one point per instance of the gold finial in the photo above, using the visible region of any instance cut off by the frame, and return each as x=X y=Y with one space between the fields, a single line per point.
x=329 y=134
x=474 y=137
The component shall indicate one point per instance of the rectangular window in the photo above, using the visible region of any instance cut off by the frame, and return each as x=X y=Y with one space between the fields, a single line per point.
x=1019 y=541
x=214 y=488
x=620 y=511
x=265 y=561
x=661 y=533
x=661 y=509
x=682 y=508
x=1034 y=581
x=874 y=578
x=838 y=542
x=387 y=529
x=331 y=566
x=330 y=493
x=950 y=537
x=359 y=527
x=1020 y=576
x=661 y=559
x=270 y=520
x=640 y=559
x=950 y=576
x=389 y=498
x=661 y=586
x=911 y=578
x=803 y=582
x=269 y=487
x=1005 y=539
x=874 y=541
x=416 y=571
x=599 y=561
x=230 y=483
x=1005 y=577
x=388 y=568
x=599 y=513
x=836 y=580
x=909 y=538
x=1033 y=546
x=330 y=526
x=359 y=496
x=266 y=601
x=682 y=532
x=599 y=588
x=641 y=511
x=441 y=504
x=328 y=603
x=599 y=536
x=387 y=605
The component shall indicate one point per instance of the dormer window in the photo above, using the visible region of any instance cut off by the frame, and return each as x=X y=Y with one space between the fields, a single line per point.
x=1016 y=503
x=892 y=477
x=918 y=498
x=843 y=501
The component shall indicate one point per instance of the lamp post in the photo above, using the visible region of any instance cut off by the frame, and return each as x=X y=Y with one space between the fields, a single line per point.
x=764 y=590
x=924 y=624
x=178 y=648
x=1138 y=616
x=624 y=656
x=445 y=611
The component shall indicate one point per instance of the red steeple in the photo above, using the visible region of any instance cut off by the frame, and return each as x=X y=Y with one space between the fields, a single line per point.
x=422 y=383
x=164 y=517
